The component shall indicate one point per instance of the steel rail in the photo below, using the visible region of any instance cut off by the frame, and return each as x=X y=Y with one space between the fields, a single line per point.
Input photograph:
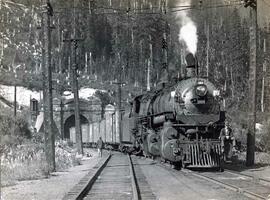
x=231 y=187
x=234 y=188
x=135 y=189
x=86 y=183
x=257 y=179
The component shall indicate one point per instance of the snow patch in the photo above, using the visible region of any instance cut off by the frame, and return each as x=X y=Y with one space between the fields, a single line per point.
x=23 y=94
x=84 y=93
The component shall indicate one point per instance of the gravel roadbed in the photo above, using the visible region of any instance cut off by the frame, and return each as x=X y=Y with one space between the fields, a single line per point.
x=52 y=188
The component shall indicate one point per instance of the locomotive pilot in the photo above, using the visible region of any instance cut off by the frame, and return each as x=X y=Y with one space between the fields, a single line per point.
x=226 y=134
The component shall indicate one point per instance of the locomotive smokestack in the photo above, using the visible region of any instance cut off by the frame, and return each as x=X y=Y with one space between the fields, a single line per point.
x=192 y=65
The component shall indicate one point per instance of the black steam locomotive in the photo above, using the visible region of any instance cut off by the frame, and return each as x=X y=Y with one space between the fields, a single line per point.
x=179 y=122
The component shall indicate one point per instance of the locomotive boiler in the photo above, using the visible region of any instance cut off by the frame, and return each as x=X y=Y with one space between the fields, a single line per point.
x=179 y=122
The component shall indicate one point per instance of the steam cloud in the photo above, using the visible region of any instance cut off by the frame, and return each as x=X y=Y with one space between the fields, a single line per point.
x=188 y=29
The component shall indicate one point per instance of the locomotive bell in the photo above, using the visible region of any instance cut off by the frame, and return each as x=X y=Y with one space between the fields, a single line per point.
x=191 y=65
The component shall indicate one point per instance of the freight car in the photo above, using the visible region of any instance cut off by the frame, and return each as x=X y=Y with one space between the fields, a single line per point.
x=179 y=122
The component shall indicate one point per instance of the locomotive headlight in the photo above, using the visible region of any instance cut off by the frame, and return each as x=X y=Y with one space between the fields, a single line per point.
x=201 y=90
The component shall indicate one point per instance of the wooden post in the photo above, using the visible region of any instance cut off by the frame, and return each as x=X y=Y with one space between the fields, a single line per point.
x=207 y=50
x=118 y=107
x=252 y=85
x=86 y=63
x=232 y=81
x=113 y=127
x=164 y=39
x=47 y=90
x=15 y=98
x=90 y=64
x=148 y=75
x=267 y=77
x=263 y=75
x=75 y=87
x=105 y=135
x=62 y=118
x=118 y=111
x=149 y=64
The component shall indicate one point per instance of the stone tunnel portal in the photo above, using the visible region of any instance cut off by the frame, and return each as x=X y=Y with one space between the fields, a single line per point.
x=69 y=127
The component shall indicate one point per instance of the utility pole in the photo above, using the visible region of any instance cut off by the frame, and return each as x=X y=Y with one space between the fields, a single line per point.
x=207 y=50
x=61 y=91
x=119 y=108
x=15 y=96
x=76 y=99
x=165 y=71
x=118 y=130
x=119 y=98
x=47 y=89
x=264 y=71
x=15 y=103
x=149 y=64
x=62 y=117
x=252 y=82
x=75 y=87
x=148 y=75
x=164 y=39
x=267 y=75
x=15 y=64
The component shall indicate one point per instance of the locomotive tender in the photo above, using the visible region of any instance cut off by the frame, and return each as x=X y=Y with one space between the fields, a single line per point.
x=179 y=122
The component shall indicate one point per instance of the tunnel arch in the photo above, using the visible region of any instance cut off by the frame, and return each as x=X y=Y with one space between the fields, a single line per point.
x=70 y=122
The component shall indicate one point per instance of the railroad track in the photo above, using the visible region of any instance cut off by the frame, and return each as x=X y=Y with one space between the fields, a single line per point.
x=115 y=177
x=249 y=186
x=259 y=180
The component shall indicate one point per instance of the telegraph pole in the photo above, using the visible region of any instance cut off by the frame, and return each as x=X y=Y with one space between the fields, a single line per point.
x=15 y=96
x=47 y=89
x=252 y=82
x=264 y=72
x=118 y=110
x=75 y=87
x=15 y=64
x=76 y=99
x=207 y=50
x=119 y=105
x=149 y=64
x=164 y=78
x=62 y=116
x=119 y=98
x=164 y=39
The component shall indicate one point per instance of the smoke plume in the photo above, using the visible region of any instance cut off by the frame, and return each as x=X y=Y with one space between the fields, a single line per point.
x=188 y=29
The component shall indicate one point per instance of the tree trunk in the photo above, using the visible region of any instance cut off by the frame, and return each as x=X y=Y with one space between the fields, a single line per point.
x=232 y=81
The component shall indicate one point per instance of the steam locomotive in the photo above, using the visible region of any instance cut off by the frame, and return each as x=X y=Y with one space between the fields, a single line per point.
x=179 y=122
